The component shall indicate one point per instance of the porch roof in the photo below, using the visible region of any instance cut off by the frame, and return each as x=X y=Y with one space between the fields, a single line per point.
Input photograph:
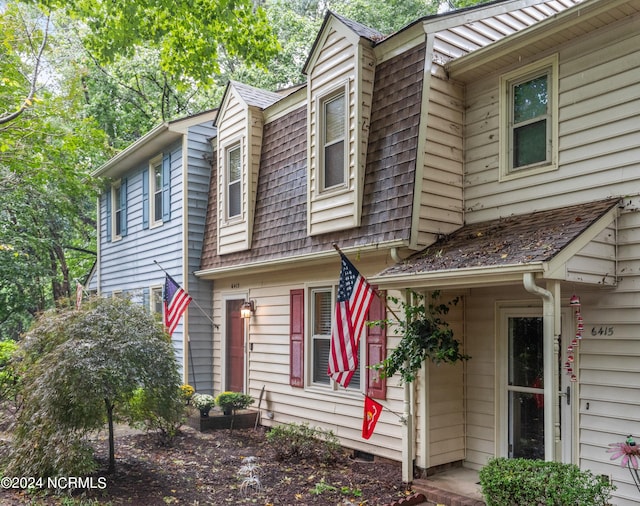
x=500 y=251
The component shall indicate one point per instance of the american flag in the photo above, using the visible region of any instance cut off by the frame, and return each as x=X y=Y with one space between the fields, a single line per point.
x=176 y=301
x=354 y=298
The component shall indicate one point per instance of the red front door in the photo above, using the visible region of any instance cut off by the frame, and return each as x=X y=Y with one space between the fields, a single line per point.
x=235 y=347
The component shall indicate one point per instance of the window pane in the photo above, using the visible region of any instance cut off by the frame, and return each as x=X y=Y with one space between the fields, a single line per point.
x=117 y=199
x=526 y=361
x=157 y=193
x=334 y=116
x=322 y=313
x=234 y=165
x=530 y=99
x=321 y=349
x=234 y=199
x=334 y=164
x=530 y=144
x=526 y=425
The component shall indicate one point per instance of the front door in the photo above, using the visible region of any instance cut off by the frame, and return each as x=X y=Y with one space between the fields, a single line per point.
x=522 y=393
x=234 y=363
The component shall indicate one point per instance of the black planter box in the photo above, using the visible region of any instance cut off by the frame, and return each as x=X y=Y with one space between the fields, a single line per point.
x=243 y=419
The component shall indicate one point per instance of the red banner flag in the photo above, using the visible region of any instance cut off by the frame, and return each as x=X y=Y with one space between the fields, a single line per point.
x=354 y=298
x=176 y=301
x=372 y=410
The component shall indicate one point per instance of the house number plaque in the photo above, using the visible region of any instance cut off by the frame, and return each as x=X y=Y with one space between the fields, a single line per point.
x=602 y=331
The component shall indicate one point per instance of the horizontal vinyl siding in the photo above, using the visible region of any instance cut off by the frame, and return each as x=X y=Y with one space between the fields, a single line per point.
x=200 y=356
x=599 y=103
x=128 y=265
x=609 y=371
x=269 y=366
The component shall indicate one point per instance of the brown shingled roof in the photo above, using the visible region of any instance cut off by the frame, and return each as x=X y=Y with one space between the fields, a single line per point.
x=522 y=239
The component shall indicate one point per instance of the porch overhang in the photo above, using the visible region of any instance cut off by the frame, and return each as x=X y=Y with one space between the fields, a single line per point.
x=501 y=252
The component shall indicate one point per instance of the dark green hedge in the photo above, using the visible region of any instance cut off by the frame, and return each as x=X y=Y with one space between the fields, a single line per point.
x=524 y=482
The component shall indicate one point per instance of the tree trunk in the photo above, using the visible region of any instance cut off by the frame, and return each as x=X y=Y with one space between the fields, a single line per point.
x=112 y=453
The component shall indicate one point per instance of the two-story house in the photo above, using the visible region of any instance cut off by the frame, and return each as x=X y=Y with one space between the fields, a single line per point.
x=152 y=214
x=372 y=155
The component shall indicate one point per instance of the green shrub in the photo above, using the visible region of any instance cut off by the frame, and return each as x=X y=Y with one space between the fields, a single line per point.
x=300 y=441
x=523 y=482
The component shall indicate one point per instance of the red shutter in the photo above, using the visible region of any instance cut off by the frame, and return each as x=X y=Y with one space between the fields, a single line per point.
x=296 y=335
x=376 y=347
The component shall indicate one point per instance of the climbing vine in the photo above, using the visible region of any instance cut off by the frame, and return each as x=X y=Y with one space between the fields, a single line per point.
x=425 y=335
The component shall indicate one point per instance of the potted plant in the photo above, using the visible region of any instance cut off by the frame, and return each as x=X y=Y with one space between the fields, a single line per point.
x=203 y=402
x=186 y=392
x=229 y=402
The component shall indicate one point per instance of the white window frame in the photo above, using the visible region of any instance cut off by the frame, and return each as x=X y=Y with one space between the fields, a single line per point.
x=155 y=299
x=547 y=66
x=355 y=386
x=229 y=148
x=154 y=190
x=340 y=91
x=116 y=211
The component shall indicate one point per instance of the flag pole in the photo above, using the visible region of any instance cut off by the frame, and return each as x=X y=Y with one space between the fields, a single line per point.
x=192 y=299
x=384 y=299
x=379 y=401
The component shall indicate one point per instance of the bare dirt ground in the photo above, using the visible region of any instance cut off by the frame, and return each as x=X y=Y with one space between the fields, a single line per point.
x=218 y=468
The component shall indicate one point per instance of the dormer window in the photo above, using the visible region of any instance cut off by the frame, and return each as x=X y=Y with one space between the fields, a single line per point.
x=234 y=181
x=334 y=132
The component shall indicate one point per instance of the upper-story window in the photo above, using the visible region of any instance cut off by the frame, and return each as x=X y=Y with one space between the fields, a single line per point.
x=118 y=206
x=334 y=128
x=529 y=122
x=234 y=181
x=155 y=186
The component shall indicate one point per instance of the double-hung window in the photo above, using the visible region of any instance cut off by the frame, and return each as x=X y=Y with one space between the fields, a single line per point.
x=529 y=119
x=155 y=190
x=234 y=181
x=117 y=208
x=321 y=310
x=333 y=110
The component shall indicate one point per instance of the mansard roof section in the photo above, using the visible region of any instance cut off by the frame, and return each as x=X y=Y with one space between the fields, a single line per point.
x=361 y=32
x=151 y=144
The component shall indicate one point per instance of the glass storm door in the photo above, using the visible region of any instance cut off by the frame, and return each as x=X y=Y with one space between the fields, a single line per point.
x=525 y=388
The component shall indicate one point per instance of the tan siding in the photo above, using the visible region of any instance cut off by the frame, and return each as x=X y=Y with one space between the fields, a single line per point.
x=599 y=103
x=440 y=210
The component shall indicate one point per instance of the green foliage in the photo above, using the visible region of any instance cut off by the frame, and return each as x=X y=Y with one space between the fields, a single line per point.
x=321 y=487
x=82 y=368
x=425 y=335
x=231 y=401
x=8 y=375
x=523 y=482
x=160 y=415
x=300 y=441
x=189 y=35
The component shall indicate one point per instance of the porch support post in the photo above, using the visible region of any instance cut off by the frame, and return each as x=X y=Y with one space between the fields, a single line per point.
x=407 y=436
x=548 y=329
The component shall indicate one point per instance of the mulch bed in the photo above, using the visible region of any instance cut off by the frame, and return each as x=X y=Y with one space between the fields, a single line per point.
x=206 y=468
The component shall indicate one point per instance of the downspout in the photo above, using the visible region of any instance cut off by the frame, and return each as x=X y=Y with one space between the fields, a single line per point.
x=548 y=340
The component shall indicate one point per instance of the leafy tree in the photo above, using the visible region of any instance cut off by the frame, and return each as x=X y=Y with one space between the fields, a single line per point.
x=80 y=369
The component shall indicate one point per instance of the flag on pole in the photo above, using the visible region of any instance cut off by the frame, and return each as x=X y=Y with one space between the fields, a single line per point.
x=354 y=298
x=176 y=301
x=372 y=410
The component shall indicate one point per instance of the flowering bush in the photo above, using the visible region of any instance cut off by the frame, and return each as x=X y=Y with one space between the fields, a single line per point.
x=187 y=392
x=230 y=401
x=203 y=402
